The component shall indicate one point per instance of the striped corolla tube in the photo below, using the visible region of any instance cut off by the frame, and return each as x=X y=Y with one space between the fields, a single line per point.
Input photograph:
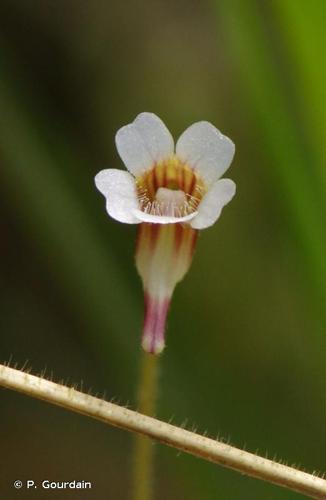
x=171 y=192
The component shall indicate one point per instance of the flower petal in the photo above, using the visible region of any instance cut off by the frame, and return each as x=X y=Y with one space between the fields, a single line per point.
x=143 y=143
x=163 y=256
x=210 y=207
x=161 y=219
x=119 y=189
x=206 y=149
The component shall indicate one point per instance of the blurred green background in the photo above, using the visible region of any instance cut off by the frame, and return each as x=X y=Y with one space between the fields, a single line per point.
x=246 y=334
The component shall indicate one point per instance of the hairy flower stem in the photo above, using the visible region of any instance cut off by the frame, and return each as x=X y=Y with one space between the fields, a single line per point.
x=143 y=466
x=199 y=446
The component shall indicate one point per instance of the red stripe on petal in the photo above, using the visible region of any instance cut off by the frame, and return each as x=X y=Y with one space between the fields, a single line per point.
x=156 y=181
x=192 y=184
x=178 y=236
x=154 y=232
x=165 y=176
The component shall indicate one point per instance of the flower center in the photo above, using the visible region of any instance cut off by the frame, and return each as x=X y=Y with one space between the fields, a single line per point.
x=170 y=188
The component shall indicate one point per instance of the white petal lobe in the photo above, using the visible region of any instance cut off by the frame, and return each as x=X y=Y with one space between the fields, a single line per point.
x=210 y=208
x=143 y=143
x=119 y=189
x=206 y=150
x=162 y=219
x=155 y=135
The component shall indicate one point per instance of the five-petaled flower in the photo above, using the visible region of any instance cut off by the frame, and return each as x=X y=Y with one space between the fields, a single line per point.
x=171 y=195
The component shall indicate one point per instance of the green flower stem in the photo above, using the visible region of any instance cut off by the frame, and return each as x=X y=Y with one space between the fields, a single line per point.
x=143 y=466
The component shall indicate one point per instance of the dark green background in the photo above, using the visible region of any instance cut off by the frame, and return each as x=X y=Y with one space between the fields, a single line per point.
x=246 y=334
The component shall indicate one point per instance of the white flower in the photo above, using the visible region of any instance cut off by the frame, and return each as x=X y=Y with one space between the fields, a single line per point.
x=163 y=186
x=171 y=195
